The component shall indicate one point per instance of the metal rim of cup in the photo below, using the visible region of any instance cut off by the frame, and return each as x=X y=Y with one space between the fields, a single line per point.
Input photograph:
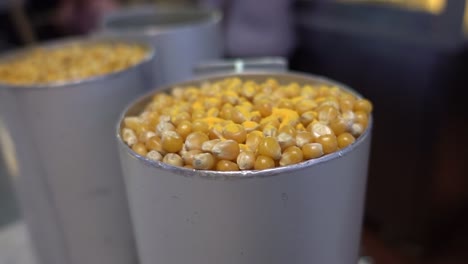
x=208 y=17
x=88 y=40
x=232 y=175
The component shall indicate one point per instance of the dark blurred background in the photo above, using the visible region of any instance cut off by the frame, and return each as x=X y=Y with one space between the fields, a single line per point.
x=411 y=59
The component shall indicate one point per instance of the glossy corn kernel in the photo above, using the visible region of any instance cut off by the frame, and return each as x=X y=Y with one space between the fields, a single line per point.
x=171 y=141
x=227 y=150
x=173 y=159
x=312 y=151
x=345 y=140
x=329 y=143
x=203 y=161
x=269 y=147
x=195 y=140
x=226 y=165
x=235 y=125
x=292 y=155
x=263 y=163
x=235 y=132
x=154 y=155
x=140 y=149
x=246 y=160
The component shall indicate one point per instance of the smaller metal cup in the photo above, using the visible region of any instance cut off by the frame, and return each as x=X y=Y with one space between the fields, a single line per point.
x=305 y=213
x=65 y=165
x=182 y=37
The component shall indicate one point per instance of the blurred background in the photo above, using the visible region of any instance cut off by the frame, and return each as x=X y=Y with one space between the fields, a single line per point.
x=408 y=56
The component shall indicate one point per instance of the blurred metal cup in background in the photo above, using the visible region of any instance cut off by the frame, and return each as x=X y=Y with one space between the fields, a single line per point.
x=305 y=213
x=182 y=36
x=62 y=156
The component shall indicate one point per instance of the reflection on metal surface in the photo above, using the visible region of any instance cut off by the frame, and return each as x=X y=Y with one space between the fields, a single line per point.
x=431 y=6
x=8 y=150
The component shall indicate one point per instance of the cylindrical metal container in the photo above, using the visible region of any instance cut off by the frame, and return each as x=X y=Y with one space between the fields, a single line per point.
x=182 y=37
x=66 y=167
x=302 y=214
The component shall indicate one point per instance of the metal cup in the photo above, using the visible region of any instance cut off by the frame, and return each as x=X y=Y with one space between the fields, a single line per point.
x=64 y=163
x=182 y=37
x=305 y=213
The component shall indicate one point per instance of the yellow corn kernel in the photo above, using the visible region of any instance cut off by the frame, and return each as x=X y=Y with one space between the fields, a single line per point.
x=305 y=106
x=226 y=165
x=263 y=163
x=339 y=126
x=195 y=140
x=286 y=104
x=362 y=118
x=207 y=146
x=303 y=137
x=330 y=101
x=356 y=129
x=132 y=122
x=308 y=117
x=286 y=140
x=173 y=159
x=200 y=125
x=253 y=139
x=178 y=118
x=187 y=156
x=329 y=143
x=363 y=105
x=250 y=126
x=171 y=141
x=163 y=127
x=129 y=136
x=270 y=131
x=292 y=155
x=184 y=128
x=239 y=115
x=269 y=147
x=287 y=129
x=227 y=150
x=216 y=132
x=198 y=114
x=154 y=143
x=324 y=91
x=140 y=149
x=327 y=113
x=346 y=104
x=345 y=140
x=154 y=155
x=249 y=89
x=145 y=136
x=226 y=113
x=309 y=92
x=300 y=127
x=235 y=132
x=292 y=90
x=319 y=129
x=264 y=107
x=312 y=151
x=246 y=160
x=203 y=161
x=230 y=97
x=244 y=147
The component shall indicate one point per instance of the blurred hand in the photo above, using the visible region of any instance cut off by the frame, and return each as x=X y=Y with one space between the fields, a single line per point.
x=81 y=16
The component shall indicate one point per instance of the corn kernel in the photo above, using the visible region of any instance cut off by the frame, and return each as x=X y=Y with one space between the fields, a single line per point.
x=171 y=141
x=187 y=156
x=203 y=161
x=361 y=118
x=226 y=165
x=207 y=146
x=339 y=126
x=140 y=149
x=345 y=140
x=270 y=131
x=292 y=155
x=329 y=143
x=305 y=106
x=263 y=163
x=312 y=151
x=145 y=136
x=286 y=140
x=227 y=150
x=154 y=143
x=184 y=128
x=253 y=139
x=129 y=136
x=163 y=127
x=235 y=132
x=269 y=147
x=195 y=140
x=200 y=125
x=308 y=117
x=303 y=137
x=173 y=159
x=327 y=114
x=319 y=129
x=356 y=129
x=250 y=126
x=265 y=108
x=363 y=105
x=154 y=155
x=246 y=160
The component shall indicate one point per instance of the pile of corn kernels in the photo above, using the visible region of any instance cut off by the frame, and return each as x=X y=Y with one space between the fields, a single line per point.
x=232 y=125
x=69 y=63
